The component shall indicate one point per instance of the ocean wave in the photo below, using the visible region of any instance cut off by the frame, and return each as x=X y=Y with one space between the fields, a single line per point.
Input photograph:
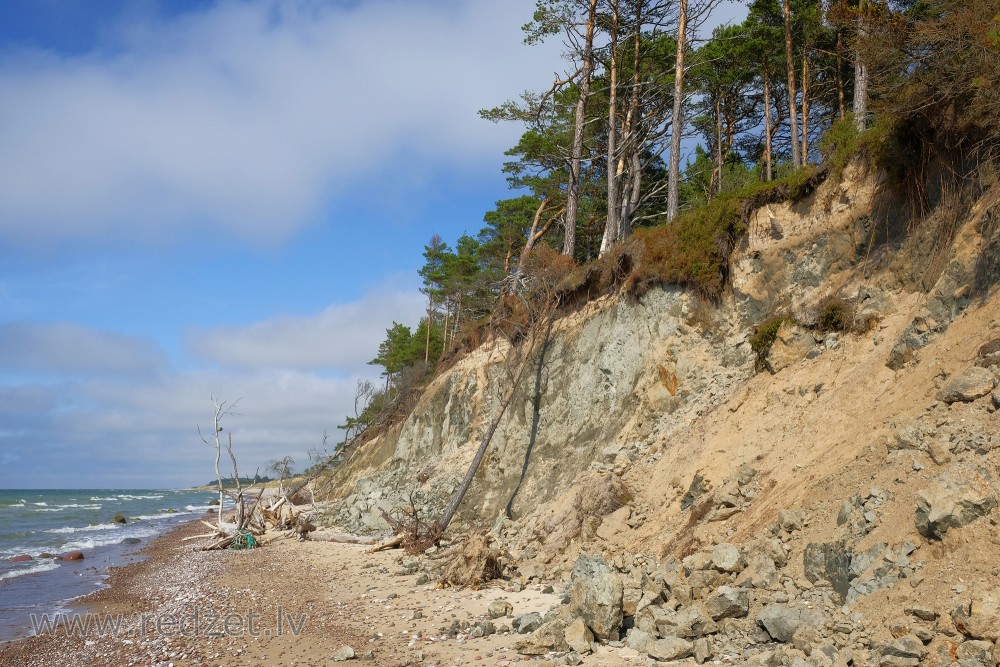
x=20 y=504
x=86 y=507
x=36 y=566
x=126 y=496
x=108 y=498
x=87 y=543
x=80 y=529
x=41 y=504
x=164 y=515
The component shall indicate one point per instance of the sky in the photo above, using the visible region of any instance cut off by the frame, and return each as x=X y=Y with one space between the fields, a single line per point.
x=228 y=198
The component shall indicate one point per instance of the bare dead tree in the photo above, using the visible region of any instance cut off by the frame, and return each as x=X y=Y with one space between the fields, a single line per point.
x=221 y=409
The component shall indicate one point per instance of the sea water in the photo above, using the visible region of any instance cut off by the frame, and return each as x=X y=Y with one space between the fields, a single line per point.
x=34 y=522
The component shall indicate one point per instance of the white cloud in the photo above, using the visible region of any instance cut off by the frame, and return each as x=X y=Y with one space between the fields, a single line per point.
x=342 y=337
x=66 y=348
x=253 y=115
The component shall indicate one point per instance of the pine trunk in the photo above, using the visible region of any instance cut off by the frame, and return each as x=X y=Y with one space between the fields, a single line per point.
x=611 y=228
x=768 y=172
x=673 y=177
x=789 y=56
x=579 y=122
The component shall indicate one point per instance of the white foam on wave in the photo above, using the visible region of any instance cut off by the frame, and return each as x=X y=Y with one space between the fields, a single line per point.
x=86 y=507
x=81 y=529
x=126 y=496
x=41 y=504
x=105 y=539
x=164 y=515
x=36 y=566
x=20 y=504
x=99 y=498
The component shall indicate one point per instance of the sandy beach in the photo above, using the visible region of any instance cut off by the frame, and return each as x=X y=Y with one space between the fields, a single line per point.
x=287 y=603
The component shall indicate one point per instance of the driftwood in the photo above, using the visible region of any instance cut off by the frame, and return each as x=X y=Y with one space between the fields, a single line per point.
x=394 y=543
x=344 y=538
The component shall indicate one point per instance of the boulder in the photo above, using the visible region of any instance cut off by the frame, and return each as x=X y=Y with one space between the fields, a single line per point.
x=671 y=648
x=526 y=623
x=119 y=519
x=46 y=554
x=23 y=558
x=728 y=602
x=73 y=555
x=829 y=561
x=637 y=639
x=791 y=345
x=596 y=596
x=760 y=572
x=908 y=647
x=549 y=637
x=977 y=651
x=952 y=503
x=973 y=383
x=980 y=619
x=500 y=608
x=727 y=558
x=578 y=636
x=782 y=620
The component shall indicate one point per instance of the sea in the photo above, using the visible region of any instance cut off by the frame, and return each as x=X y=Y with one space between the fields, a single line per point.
x=35 y=522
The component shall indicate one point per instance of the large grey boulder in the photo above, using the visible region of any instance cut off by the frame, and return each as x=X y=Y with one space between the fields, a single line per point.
x=973 y=383
x=952 y=504
x=596 y=597
x=782 y=620
x=830 y=561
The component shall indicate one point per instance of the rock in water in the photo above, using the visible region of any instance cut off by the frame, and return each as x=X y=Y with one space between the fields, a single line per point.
x=73 y=555
x=119 y=519
x=596 y=596
x=973 y=383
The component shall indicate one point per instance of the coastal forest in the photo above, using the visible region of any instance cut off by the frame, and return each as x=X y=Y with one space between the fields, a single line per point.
x=640 y=163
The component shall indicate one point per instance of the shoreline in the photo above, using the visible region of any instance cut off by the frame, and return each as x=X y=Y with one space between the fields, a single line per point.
x=288 y=602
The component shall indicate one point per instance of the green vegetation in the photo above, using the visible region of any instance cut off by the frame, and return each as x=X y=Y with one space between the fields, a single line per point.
x=907 y=87
x=763 y=339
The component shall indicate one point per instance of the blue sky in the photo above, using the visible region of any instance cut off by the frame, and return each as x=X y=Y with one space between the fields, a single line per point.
x=203 y=197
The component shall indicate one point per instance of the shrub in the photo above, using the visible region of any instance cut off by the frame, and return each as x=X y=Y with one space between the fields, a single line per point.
x=763 y=339
x=835 y=314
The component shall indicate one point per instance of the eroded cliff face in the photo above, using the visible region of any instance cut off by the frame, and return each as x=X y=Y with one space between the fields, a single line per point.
x=620 y=371
x=850 y=491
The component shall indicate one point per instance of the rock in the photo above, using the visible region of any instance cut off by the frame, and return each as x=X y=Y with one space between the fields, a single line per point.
x=977 y=650
x=693 y=621
x=578 y=637
x=909 y=648
x=637 y=639
x=343 y=653
x=119 y=519
x=973 y=383
x=727 y=558
x=73 y=555
x=995 y=397
x=572 y=658
x=760 y=572
x=830 y=561
x=671 y=648
x=526 y=623
x=980 y=619
x=728 y=602
x=596 y=596
x=791 y=345
x=500 y=608
x=781 y=620
x=702 y=650
x=485 y=628
x=923 y=613
x=615 y=523
x=790 y=520
x=214 y=502
x=23 y=558
x=550 y=636
x=938 y=451
x=952 y=504
x=46 y=554
x=131 y=540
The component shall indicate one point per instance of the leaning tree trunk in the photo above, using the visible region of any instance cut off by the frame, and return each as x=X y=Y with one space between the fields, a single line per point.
x=789 y=56
x=673 y=176
x=579 y=122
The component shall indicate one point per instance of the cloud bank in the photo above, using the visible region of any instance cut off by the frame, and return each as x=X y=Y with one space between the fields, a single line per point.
x=253 y=116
